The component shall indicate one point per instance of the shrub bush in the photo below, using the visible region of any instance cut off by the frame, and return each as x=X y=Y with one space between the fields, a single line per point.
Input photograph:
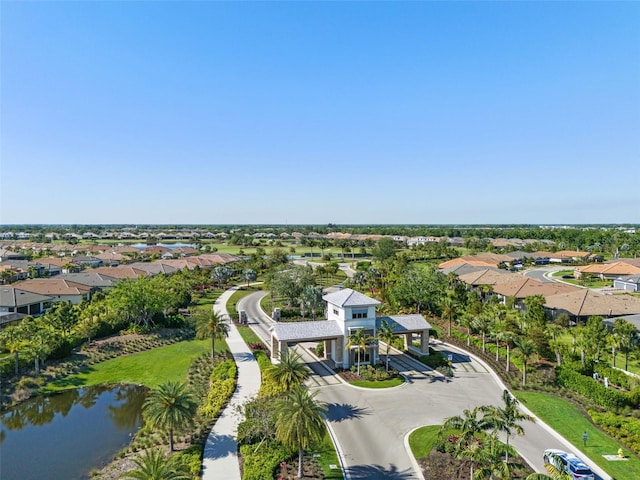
x=616 y=377
x=191 y=459
x=592 y=389
x=262 y=463
x=435 y=359
x=320 y=349
x=625 y=429
x=223 y=383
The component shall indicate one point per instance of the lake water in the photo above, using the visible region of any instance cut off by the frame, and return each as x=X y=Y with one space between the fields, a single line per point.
x=64 y=436
x=170 y=246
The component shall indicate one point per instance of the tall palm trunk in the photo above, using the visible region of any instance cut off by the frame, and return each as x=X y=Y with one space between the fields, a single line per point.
x=483 y=343
x=507 y=357
x=613 y=356
x=171 y=440
x=300 y=455
x=497 y=350
x=213 y=345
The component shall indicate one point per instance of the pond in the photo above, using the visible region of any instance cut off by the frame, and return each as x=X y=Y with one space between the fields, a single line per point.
x=68 y=434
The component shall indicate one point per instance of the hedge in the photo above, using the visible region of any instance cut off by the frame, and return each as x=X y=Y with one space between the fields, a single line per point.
x=594 y=390
x=261 y=462
x=625 y=429
x=616 y=377
x=223 y=383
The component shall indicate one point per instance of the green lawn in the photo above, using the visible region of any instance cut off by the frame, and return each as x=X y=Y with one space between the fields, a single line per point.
x=570 y=422
x=421 y=440
x=392 y=382
x=328 y=456
x=150 y=368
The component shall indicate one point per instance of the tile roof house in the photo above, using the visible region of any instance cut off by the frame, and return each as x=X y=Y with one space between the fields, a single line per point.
x=348 y=311
x=121 y=272
x=60 y=290
x=584 y=303
x=608 y=270
x=16 y=300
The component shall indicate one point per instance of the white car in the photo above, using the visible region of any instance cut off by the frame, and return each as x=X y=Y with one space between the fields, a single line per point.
x=571 y=464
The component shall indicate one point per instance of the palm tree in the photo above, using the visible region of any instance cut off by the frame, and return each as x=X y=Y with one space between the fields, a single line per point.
x=169 y=407
x=468 y=425
x=299 y=421
x=507 y=418
x=359 y=341
x=482 y=324
x=491 y=464
x=290 y=372
x=466 y=321
x=449 y=312
x=385 y=333
x=526 y=348
x=153 y=465
x=614 y=342
x=210 y=324
x=13 y=340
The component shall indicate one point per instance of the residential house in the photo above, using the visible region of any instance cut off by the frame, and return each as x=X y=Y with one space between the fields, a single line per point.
x=17 y=300
x=584 y=302
x=58 y=289
x=607 y=270
x=348 y=311
x=94 y=280
x=629 y=283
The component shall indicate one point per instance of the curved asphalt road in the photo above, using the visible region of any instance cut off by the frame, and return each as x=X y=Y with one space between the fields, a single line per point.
x=371 y=425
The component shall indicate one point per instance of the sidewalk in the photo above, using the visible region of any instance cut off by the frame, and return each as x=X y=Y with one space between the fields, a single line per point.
x=220 y=459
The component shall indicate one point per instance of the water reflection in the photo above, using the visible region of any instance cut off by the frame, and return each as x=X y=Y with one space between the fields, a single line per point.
x=73 y=431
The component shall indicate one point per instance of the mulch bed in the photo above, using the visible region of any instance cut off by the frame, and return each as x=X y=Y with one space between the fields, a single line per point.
x=310 y=470
x=438 y=465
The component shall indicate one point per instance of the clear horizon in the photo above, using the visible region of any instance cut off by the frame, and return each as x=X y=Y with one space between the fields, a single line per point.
x=309 y=113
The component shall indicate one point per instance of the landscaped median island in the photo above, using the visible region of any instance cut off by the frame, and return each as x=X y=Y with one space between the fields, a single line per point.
x=284 y=423
x=467 y=446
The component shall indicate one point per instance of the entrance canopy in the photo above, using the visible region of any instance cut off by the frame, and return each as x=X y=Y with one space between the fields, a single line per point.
x=306 y=331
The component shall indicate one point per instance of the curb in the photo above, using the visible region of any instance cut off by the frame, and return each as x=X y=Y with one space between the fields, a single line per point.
x=414 y=462
x=601 y=473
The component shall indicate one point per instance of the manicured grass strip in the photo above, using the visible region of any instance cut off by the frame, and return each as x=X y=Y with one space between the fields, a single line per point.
x=570 y=422
x=328 y=456
x=421 y=440
x=392 y=382
x=207 y=299
x=248 y=335
x=150 y=368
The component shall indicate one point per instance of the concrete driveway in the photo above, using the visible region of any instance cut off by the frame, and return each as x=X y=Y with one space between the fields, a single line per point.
x=370 y=425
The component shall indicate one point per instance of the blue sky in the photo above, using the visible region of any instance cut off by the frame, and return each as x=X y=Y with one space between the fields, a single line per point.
x=318 y=112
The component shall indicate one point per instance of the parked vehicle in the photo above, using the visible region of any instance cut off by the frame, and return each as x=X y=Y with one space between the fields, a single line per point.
x=570 y=463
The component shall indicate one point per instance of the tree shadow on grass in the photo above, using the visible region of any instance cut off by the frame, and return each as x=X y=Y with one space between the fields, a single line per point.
x=370 y=472
x=338 y=412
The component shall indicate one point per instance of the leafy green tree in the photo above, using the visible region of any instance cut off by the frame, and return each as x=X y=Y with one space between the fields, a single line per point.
x=153 y=465
x=210 y=324
x=299 y=421
x=360 y=341
x=289 y=372
x=535 y=314
x=384 y=249
x=221 y=275
x=62 y=317
x=138 y=301
x=385 y=334
x=420 y=289
x=595 y=336
x=169 y=407
x=311 y=299
x=249 y=275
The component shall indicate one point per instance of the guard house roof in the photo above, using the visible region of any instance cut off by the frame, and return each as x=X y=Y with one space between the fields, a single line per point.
x=306 y=331
x=349 y=298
